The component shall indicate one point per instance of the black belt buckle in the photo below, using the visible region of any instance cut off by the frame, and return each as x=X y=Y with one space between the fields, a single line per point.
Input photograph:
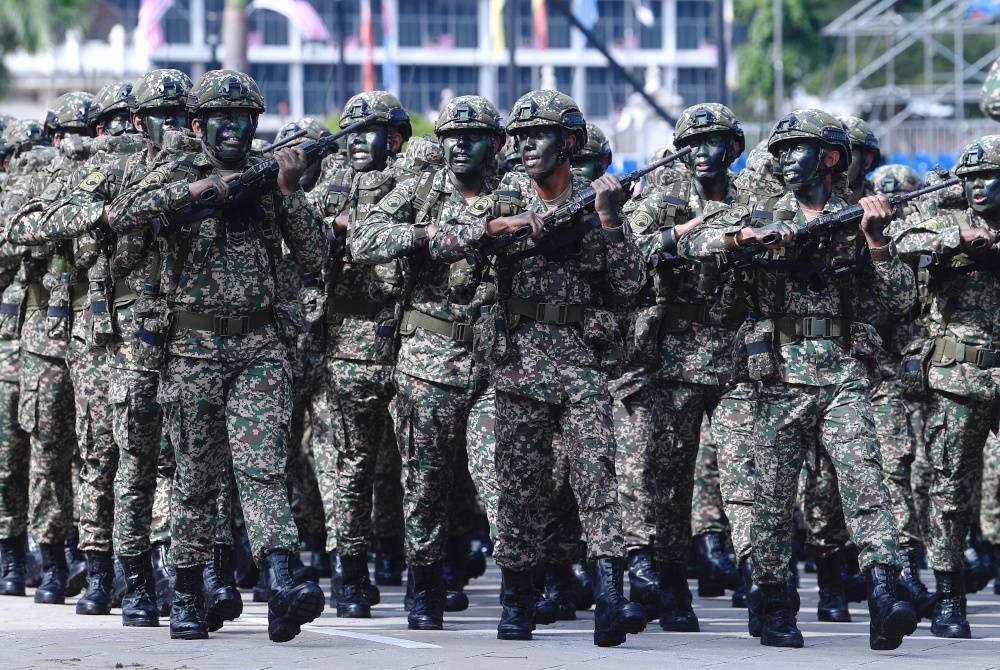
x=816 y=327
x=546 y=312
x=232 y=325
x=987 y=358
x=458 y=331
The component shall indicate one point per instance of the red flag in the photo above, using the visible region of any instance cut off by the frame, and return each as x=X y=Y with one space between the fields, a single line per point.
x=540 y=21
x=368 y=43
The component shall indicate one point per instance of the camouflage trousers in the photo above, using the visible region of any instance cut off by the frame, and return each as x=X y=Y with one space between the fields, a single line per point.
x=789 y=418
x=524 y=466
x=632 y=425
x=989 y=511
x=561 y=541
x=159 y=527
x=731 y=432
x=14 y=465
x=921 y=471
x=430 y=422
x=235 y=408
x=480 y=441
x=956 y=429
x=898 y=445
x=707 y=509
x=303 y=490
x=89 y=371
x=46 y=412
x=358 y=436
x=823 y=510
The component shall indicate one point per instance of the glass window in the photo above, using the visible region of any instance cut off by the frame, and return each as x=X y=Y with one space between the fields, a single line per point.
x=438 y=23
x=334 y=11
x=213 y=18
x=421 y=85
x=524 y=82
x=323 y=94
x=695 y=24
x=267 y=27
x=607 y=91
x=177 y=23
x=272 y=78
x=129 y=11
x=696 y=84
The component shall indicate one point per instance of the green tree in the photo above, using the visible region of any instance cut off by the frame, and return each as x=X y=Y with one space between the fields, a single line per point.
x=34 y=24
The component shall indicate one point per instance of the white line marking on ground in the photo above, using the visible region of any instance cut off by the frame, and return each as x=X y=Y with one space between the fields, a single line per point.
x=339 y=632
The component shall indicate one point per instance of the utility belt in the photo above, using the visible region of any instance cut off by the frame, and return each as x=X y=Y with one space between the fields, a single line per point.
x=789 y=329
x=78 y=293
x=223 y=325
x=363 y=307
x=553 y=313
x=677 y=313
x=948 y=350
x=36 y=296
x=457 y=332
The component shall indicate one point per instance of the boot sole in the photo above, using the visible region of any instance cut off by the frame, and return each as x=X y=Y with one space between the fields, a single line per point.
x=13 y=592
x=833 y=617
x=425 y=625
x=954 y=633
x=513 y=635
x=353 y=612
x=49 y=599
x=608 y=639
x=189 y=635
x=680 y=627
x=226 y=609
x=303 y=609
x=790 y=642
x=141 y=623
x=88 y=609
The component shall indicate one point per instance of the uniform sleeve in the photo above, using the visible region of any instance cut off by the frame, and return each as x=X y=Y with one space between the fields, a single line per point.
x=64 y=219
x=626 y=269
x=303 y=231
x=935 y=235
x=388 y=232
x=716 y=234
x=144 y=205
x=895 y=284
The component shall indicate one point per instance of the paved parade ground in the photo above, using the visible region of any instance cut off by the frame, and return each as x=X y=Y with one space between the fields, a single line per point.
x=37 y=636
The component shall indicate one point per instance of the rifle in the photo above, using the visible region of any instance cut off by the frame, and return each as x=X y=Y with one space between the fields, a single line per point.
x=262 y=176
x=844 y=218
x=565 y=212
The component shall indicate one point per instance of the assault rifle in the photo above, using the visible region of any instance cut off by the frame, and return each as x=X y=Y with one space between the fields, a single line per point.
x=844 y=218
x=557 y=219
x=261 y=177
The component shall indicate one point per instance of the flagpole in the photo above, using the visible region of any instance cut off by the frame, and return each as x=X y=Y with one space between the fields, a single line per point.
x=512 y=89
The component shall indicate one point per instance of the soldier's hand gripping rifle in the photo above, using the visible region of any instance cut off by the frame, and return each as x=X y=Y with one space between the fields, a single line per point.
x=564 y=213
x=263 y=176
x=844 y=218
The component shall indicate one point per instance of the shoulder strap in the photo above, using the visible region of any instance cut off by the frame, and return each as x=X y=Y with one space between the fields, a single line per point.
x=421 y=203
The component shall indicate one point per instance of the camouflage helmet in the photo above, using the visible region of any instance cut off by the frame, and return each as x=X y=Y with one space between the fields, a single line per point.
x=69 y=111
x=468 y=111
x=111 y=98
x=24 y=133
x=597 y=145
x=315 y=129
x=225 y=89
x=895 y=178
x=385 y=105
x=5 y=120
x=812 y=124
x=548 y=108
x=159 y=88
x=705 y=118
x=983 y=155
x=859 y=133
x=989 y=94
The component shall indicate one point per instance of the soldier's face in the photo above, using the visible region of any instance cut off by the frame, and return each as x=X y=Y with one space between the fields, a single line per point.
x=983 y=193
x=369 y=149
x=589 y=168
x=541 y=150
x=467 y=152
x=800 y=163
x=117 y=124
x=708 y=158
x=227 y=134
x=157 y=121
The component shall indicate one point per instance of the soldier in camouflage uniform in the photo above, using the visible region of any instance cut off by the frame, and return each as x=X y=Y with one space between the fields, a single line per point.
x=225 y=386
x=25 y=148
x=544 y=359
x=958 y=364
x=805 y=346
x=360 y=331
x=45 y=220
x=45 y=408
x=681 y=332
x=437 y=379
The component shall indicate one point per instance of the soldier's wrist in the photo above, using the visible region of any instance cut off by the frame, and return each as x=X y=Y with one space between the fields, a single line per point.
x=613 y=234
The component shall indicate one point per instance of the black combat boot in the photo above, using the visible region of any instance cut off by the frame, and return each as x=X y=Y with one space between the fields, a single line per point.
x=614 y=616
x=517 y=597
x=716 y=571
x=909 y=579
x=292 y=604
x=262 y=589
x=163 y=576
x=12 y=567
x=408 y=596
x=754 y=597
x=744 y=580
x=456 y=557
x=584 y=586
x=319 y=560
x=187 y=613
x=427 y=612
x=777 y=619
x=100 y=575
x=118 y=583
x=854 y=582
x=389 y=561
x=247 y=572
x=475 y=565
x=832 y=604
x=675 y=611
x=76 y=563
x=353 y=602
x=892 y=619
x=980 y=566
x=222 y=599
x=139 y=606
x=950 y=619
x=336 y=577
x=546 y=611
x=643 y=581
x=52 y=590
x=560 y=588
